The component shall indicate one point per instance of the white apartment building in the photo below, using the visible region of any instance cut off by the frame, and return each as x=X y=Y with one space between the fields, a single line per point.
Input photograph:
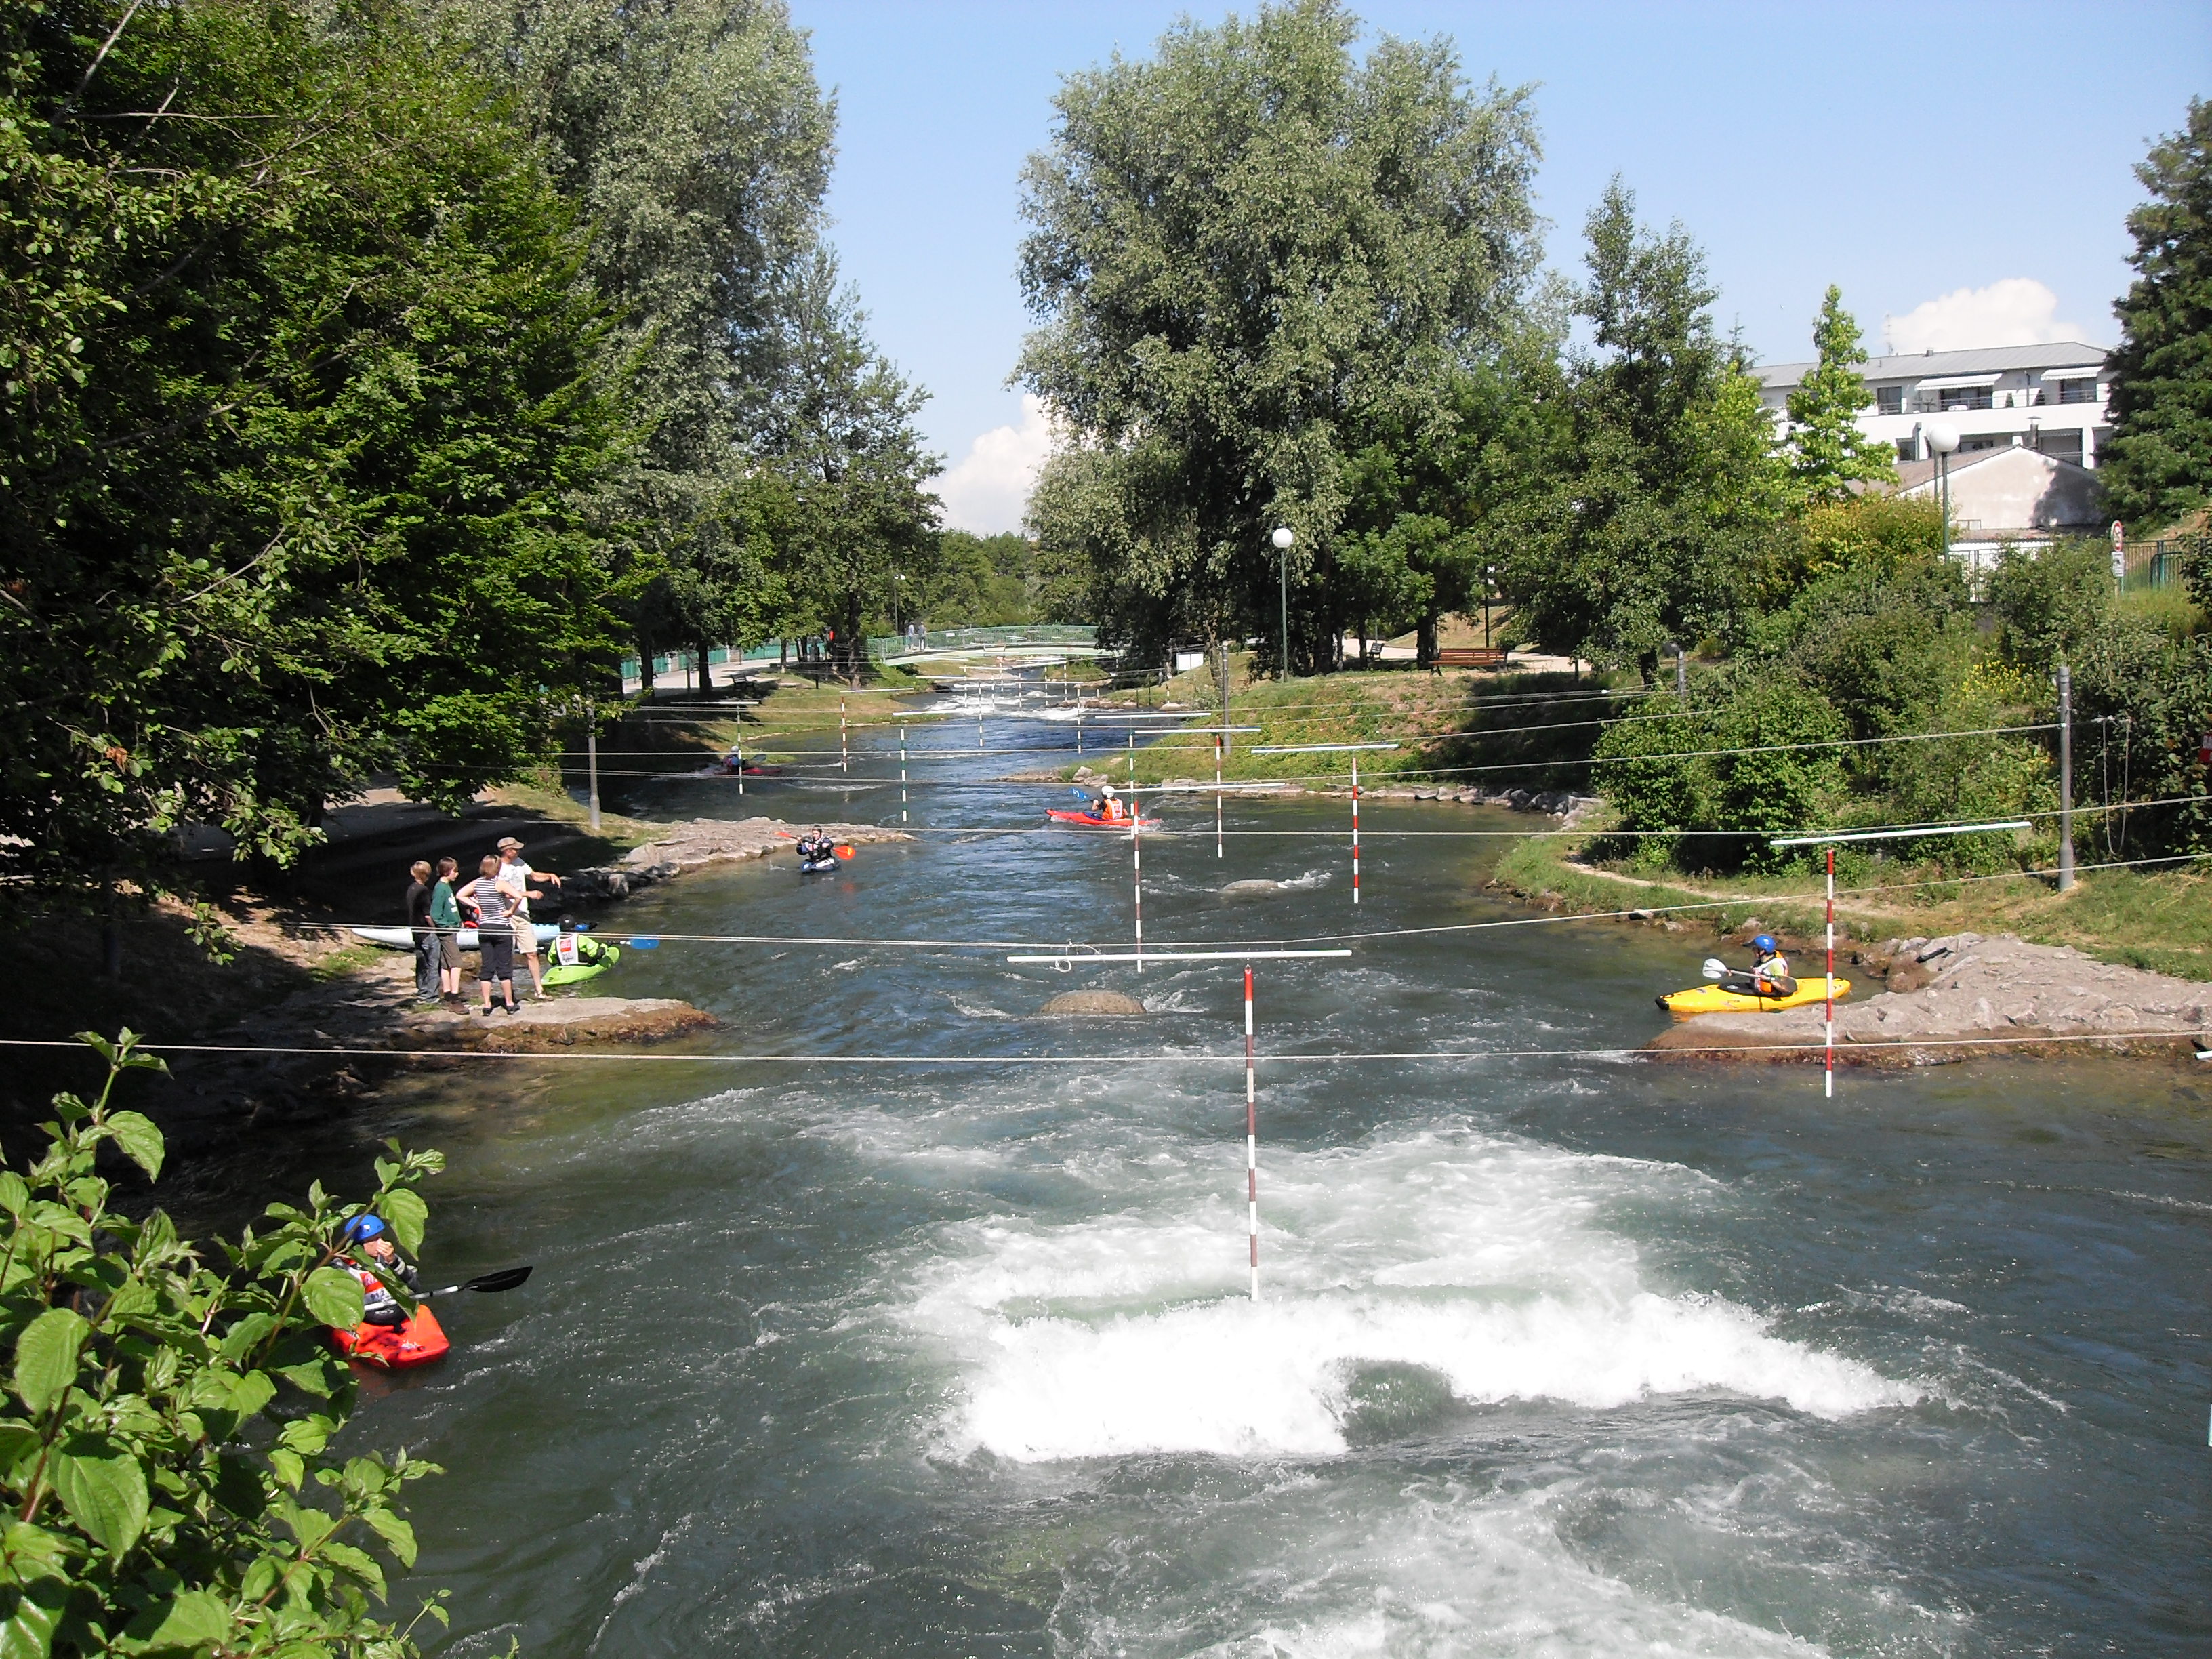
x=2050 y=399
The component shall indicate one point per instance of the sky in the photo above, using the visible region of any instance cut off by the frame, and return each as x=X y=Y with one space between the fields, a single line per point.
x=1963 y=171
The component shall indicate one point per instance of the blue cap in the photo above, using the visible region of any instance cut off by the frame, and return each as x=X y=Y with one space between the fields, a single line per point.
x=361 y=1228
x=1764 y=942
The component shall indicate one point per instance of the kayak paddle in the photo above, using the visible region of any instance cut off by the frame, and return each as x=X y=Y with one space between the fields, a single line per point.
x=505 y=1280
x=841 y=851
x=1715 y=968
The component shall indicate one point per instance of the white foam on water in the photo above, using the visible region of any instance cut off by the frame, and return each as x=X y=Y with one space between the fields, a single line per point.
x=1484 y=1261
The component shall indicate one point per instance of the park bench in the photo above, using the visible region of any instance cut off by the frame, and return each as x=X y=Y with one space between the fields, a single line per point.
x=1467 y=656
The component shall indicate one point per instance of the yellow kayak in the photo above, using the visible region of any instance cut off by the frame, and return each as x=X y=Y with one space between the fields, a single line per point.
x=1711 y=999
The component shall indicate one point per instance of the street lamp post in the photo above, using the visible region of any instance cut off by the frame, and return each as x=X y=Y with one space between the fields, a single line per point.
x=1943 y=439
x=1283 y=539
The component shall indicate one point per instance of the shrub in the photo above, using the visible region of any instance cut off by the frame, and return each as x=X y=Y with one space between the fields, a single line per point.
x=165 y=1438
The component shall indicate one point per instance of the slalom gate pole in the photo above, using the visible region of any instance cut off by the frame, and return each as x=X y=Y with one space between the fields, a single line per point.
x=1216 y=795
x=1355 y=829
x=844 y=744
x=738 y=750
x=1828 y=1082
x=1132 y=758
x=1137 y=868
x=1251 y=1138
x=902 y=771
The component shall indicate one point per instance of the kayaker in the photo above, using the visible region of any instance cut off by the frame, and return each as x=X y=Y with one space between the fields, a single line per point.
x=1770 y=969
x=378 y=1305
x=577 y=949
x=1110 y=807
x=814 y=847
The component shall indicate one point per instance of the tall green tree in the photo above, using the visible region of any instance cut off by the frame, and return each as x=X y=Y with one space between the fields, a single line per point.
x=303 y=407
x=1248 y=253
x=1828 y=454
x=2157 y=466
x=693 y=139
x=839 y=434
x=1653 y=523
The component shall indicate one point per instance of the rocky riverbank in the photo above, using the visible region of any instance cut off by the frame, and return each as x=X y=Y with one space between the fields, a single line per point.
x=1556 y=803
x=1945 y=999
x=697 y=842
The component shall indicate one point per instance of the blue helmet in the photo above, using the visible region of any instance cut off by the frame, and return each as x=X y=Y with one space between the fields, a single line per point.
x=361 y=1228
x=1764 y=942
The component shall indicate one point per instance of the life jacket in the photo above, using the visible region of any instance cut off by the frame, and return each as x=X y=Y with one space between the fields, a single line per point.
x=373 y=1292
x=1111 y=808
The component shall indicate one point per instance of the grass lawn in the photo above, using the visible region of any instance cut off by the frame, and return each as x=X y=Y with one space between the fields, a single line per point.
x=1445 y=724
x=2158 y=920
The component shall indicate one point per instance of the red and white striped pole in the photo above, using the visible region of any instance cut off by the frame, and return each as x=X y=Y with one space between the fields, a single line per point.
x=844 y=747
x=1355 y=829
x=1216 y=794
x=1828 y=1082
x=1137 y=865
x=1251 y=1138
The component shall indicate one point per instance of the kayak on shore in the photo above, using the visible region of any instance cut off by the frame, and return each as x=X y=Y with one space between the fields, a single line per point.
x=416 y=1341
x=403 y=939
x=576 y=958
x=1723 y=1000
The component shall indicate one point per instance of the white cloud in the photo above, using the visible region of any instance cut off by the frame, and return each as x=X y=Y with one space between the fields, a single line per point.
x=988 y=491
x=2013 y=311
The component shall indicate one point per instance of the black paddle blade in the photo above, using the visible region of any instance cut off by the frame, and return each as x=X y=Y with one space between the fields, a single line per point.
x=505 y=1280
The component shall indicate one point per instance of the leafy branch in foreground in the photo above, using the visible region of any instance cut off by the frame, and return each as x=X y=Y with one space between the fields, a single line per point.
x=163 y=1440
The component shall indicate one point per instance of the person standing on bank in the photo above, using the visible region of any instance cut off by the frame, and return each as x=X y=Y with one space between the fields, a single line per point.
x=494 y=933
x=515 y=879
x=446 y=917
x=427 y=976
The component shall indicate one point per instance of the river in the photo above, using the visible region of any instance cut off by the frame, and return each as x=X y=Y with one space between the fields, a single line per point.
x=1554 y=1356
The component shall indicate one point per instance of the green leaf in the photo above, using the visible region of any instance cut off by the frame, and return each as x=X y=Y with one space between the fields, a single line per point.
x=190 y=1619
x=27 y=1618
x=404 y=1212
x=334 y=1297
x=13 y=1193
x=243 y=1337
x=46 y=1356
x=289 y=1467
x=397 y=1536
x=360 y=1562
x=104 y=1489
x=140 y=1141
x=17 y=1440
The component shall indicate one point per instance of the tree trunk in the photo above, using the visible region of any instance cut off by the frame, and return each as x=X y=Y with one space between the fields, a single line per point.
x=645 y=665
x=1647 y=665
x=1425 y=641
x=706 y=668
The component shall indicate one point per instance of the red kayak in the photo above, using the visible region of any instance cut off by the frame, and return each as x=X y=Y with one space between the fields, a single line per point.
x=415 y=1341
x=1091 y=820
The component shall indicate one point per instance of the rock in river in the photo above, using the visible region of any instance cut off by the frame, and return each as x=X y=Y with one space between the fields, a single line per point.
x=561 y=1023
x=1093 y=1002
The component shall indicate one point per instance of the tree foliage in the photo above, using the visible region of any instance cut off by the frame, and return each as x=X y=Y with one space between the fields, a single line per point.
x=1651 y=523
x=1249 y=255
x=301 y=404
x=2157 y=466
x=165 y=1443
x=1828 y=454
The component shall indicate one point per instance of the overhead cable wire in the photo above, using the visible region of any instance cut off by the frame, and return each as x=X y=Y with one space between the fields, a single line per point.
x=1056 y=948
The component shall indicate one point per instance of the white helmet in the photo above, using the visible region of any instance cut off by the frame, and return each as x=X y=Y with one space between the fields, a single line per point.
x=1105 y=788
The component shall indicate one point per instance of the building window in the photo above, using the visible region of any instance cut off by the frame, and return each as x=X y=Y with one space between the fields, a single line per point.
x=1908 y=449
x=1964 y=397
x=1889 y=400
x=2078 y=391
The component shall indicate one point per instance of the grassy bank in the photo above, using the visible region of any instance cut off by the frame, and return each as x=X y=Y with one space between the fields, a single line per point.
x=2159 y=921
x=1501 y=730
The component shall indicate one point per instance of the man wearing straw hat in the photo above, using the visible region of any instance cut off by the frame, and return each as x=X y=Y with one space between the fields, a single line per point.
x=515 y=879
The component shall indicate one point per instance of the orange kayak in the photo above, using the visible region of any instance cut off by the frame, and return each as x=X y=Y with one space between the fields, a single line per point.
x=417 y=1341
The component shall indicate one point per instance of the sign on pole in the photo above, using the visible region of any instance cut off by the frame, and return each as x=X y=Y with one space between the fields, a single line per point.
x=2120 y=553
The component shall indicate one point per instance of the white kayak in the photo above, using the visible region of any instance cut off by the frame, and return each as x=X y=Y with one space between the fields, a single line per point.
x=403 y=939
